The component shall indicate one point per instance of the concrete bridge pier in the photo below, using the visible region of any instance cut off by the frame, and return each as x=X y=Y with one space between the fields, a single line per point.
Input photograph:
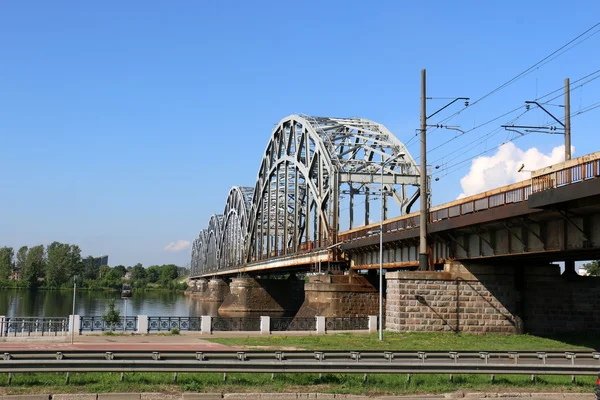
x=197 y=286
x=216 y=290
x=339 y=296
x=263 y=296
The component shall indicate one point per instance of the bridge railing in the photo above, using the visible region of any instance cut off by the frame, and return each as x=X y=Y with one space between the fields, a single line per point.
x=515 y=193
x=573 y=171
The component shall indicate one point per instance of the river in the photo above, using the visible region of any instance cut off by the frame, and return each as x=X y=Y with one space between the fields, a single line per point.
x=23 y=303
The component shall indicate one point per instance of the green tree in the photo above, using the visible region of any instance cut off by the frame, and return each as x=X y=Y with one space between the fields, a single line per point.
x=138 y=272
x=56 y=264
x=592 y=268
x=63 y=262
x=20 y=262
x=168 y=272
x=90 y=269
x=75 y=266
x=102 y=271
x=112 y=316
x=122 y=270
x=6 y=262
x=153 y=273
x=113 y=278
x=34 y=266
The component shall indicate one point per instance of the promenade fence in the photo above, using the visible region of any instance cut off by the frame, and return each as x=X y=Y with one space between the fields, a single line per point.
x=33 y=326
x=142 y=324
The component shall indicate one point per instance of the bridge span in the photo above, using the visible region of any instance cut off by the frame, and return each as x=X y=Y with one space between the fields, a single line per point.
x=491 y=255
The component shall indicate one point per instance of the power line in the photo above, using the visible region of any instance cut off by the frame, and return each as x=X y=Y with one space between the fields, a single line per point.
x=538 y=64
x=454 y=167
x=519 y=107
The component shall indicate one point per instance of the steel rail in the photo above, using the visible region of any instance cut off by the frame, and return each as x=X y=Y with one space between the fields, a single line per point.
x=289 y=366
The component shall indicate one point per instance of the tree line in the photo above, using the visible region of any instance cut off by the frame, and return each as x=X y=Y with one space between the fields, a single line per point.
x=56 y=265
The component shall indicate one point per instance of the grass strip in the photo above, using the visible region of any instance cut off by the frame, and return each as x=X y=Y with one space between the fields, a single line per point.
x=418 y=341
x=375 y=384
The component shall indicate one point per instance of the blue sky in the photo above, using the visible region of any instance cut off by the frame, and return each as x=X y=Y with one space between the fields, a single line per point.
x=124 y=124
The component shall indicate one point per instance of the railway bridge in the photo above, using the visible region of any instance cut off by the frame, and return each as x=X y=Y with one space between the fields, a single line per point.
x=491 y=256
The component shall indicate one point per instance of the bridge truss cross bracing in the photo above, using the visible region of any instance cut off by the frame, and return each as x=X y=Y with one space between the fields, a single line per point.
x=309 y=162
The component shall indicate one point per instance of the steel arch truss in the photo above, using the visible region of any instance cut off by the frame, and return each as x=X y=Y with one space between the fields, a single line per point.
x=295 y=204
x=235 y=227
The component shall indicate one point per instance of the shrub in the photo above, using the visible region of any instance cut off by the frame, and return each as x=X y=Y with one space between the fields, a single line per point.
x=112 y=317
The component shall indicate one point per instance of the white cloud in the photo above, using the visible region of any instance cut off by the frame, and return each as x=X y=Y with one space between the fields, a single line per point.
x=175 y=247
x=500 y=169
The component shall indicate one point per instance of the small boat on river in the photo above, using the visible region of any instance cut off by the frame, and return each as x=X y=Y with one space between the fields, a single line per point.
x=126 y=290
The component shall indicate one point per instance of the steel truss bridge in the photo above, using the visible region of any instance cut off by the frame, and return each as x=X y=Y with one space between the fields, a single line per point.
x=290 y=219
x=294 y=206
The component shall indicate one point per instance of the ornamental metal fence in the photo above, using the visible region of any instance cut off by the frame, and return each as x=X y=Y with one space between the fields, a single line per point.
x=279 y=324
x=224 y=324
x=98 y=324
x=346 y=323
x=35 y=326
x=170 y=323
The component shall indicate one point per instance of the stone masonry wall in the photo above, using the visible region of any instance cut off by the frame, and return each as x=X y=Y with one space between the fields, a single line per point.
x=339 y=296
x=453 y=301
x=557 y=304
x=492 y=299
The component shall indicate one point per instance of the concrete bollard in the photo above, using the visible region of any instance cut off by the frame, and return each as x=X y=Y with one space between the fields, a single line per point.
x=205 y=324
x=265 y=325
x=373 y=323
x=74 y=323
x=142 y=324
x=321 y=329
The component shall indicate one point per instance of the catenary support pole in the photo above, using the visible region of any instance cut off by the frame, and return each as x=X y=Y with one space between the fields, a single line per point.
x=567 y=119
x=423 y=259
x=381 y=255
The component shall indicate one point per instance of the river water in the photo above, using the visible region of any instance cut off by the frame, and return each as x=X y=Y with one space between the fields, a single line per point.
x=23 y=303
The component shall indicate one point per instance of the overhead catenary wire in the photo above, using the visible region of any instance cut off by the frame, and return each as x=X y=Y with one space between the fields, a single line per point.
x=573 y=87
x=555 y=54
x=550 y=57
x=453 y=167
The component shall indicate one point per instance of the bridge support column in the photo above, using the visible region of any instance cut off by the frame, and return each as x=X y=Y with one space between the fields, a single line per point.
x=339 y=296
x=197 y=286
x=493 y=299
x=273 y=297
x=570 y=268
x=474 y=299
x=216 y=290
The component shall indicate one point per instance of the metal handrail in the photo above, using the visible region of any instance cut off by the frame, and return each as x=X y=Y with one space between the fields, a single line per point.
x=562 y=174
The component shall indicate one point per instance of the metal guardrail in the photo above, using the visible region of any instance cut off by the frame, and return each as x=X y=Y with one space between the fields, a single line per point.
x=34 y=326
x=96 y=323
x=382 y=362
x=514 y=357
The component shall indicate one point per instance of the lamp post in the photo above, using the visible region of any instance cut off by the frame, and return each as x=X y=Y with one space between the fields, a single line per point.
x=73 y=313
x=383 y=164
